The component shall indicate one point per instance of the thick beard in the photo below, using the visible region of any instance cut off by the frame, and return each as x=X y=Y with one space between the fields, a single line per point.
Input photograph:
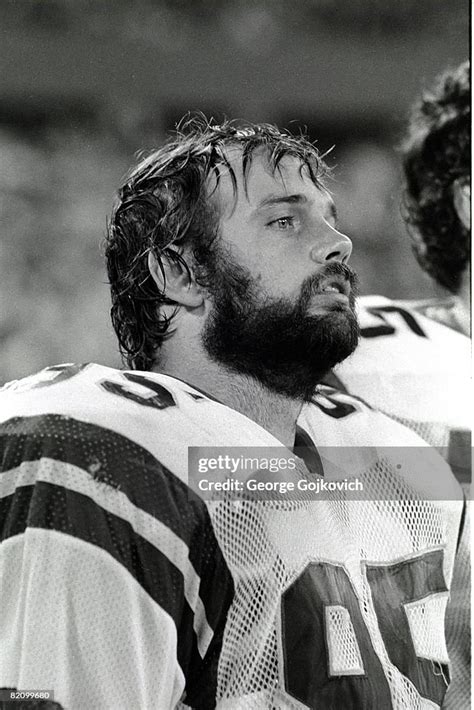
x=275 y=340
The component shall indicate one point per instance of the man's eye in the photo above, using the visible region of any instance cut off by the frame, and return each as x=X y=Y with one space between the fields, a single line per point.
x=283 y=223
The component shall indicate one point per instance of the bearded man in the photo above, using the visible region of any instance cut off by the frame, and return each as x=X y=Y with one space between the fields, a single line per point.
x=125 y=584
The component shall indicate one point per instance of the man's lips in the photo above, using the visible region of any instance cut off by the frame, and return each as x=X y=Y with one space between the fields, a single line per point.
x=330 y=291
x=334 y=285
x=334 y=288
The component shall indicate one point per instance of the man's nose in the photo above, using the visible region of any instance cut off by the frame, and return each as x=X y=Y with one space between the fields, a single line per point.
x=332 y=247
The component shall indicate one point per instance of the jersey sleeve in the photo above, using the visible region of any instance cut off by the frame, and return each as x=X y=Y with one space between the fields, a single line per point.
x=114 y=589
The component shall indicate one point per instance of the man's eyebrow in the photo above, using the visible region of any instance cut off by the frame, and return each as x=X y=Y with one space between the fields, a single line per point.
x=282 y=199
x=296 y=199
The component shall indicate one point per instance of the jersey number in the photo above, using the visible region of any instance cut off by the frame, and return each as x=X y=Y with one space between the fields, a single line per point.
x=385 y=328
x=329 y=659
x=157 y=397
x=335 y=403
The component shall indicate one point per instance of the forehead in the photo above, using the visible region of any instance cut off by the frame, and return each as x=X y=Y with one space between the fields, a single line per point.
x=235 y=189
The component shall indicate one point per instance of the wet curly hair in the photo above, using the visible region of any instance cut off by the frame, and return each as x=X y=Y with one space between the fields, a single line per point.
x=165 y=206
x=436 y=153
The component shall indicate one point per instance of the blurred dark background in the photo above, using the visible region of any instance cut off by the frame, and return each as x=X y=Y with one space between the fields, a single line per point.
x=85 y=84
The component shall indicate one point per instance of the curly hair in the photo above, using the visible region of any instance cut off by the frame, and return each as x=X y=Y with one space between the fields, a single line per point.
x=164 y=203
x=436 y=153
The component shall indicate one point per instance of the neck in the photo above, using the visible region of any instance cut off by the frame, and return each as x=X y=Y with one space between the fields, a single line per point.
x=272 y=411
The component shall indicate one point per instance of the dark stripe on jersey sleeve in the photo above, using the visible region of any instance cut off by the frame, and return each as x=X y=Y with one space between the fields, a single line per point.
x=111 y=458
x=52 y=507
x=108 y=457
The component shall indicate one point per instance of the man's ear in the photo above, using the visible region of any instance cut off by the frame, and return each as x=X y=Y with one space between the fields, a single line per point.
x=462 y=201
x=175 y=280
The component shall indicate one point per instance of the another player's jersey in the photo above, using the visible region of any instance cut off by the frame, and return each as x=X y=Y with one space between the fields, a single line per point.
x=123 y=588
x=450 y=311
x=417 y=370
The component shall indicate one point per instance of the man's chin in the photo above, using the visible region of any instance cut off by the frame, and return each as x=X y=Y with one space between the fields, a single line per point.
x=329 y=303
x=294 y=377
x=330 y=307
x=288 y=349
x=337 y=337
x=338 y=324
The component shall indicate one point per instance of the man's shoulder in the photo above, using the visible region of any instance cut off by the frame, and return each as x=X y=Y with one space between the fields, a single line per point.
x=155 y=413
x=365 y=442
x=93 y=471
x=88 y=422
x=340 y=418
x=90 y=393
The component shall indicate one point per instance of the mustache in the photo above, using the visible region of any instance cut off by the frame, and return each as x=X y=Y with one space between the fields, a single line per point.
x=312 y=284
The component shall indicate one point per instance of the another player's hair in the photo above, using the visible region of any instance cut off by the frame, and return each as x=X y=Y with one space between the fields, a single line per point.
x=165 y=202
x=436 y=153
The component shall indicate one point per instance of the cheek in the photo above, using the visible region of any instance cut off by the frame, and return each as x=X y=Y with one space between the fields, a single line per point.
x=276 y=269
x=278 y=282
x=286 y=273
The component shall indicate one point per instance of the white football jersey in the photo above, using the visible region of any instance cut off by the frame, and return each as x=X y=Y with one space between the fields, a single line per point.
x=418 y=371
x=123 y=588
